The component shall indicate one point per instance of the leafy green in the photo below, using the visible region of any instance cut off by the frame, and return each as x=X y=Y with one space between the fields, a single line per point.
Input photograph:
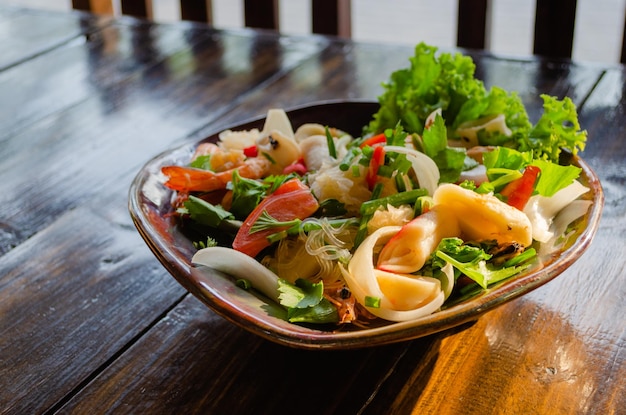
x=202 y=162
x=446 y=81
x=431 y=82
x=507 y=158
x=305 y=302
x=247 y=194
x=557 y=128
x=554 y=177
x=205 y=213
x=473 y=262
x=450 y=161
x=502 y=161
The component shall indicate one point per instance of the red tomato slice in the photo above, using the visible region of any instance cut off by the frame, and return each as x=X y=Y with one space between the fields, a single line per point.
x=519 y=191
x=292 y=200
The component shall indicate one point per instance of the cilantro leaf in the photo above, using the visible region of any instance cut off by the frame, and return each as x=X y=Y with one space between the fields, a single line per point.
x=205 y=213
x=202 y=162
x=247 y=194
x=305 y=302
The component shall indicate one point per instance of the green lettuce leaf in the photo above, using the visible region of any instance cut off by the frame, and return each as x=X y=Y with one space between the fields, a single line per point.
x=557 y=128
x=431 y=82
x=473 y=262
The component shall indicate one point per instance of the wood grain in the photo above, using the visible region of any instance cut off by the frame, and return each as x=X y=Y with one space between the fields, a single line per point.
x=91 y=322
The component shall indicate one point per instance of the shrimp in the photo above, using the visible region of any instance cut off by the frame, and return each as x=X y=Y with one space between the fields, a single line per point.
x=189 y=179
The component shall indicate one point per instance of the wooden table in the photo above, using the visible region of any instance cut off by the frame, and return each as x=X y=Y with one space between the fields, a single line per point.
x=90 y=322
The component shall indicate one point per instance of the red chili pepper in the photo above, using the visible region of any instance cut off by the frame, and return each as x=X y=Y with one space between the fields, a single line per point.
x=377 y=160
x=373 y=140
x=251 y=151
x=519 y=191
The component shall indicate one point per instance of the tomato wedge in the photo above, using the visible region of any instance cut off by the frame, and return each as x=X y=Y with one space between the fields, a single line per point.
x=292 y=200
x=519 y=191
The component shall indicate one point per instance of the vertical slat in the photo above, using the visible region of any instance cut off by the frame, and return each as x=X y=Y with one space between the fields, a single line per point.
x=261 y=14
x=474 y=24
x=137 y=8
x=95 y=6
x=332 y=17
x=197 y=10
x=554 y=28
x=623 y=56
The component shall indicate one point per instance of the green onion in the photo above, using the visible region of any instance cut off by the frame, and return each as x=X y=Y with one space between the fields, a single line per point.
x=331 y=144
x=422 y=204
x=347 y=160
x=373 y=302
x=243 y=283
x=404 y=198
x=527 y=255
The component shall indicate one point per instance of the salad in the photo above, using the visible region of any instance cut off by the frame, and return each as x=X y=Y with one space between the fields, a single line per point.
x=449 y=189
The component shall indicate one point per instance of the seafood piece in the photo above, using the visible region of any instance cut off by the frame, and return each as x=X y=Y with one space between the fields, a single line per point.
x=314 y=151
x=402 y=297
x=407 y=251
x=279 y=149
x=189 y=179
x=484 y=217
x=238 y=140
x=309 y=129
x=220 y=159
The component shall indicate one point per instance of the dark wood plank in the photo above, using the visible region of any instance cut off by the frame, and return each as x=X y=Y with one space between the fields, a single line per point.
x=554 y=28
x=137 y=8
x=84 y=70
x=623 y=50
x=192 y=364
x=343 y=79
x=143 y=111
x=261 y=14
x=473 y=23
x=27 y=34
x=197 y=10
x=332 y=17
x=70 y=306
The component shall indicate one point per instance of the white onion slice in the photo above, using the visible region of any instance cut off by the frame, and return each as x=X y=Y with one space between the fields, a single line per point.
x=240 y=266
x=425 y=169
x=362 y=281
x=277 y=120
x=541 y=210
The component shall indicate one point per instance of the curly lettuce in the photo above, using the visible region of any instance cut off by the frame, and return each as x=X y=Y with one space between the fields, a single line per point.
x=447 y=81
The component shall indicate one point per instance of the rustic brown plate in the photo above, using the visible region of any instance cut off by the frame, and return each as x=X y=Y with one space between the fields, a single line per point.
x=149 y=205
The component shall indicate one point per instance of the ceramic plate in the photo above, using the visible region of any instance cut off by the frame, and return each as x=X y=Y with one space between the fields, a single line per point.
x=150 y=208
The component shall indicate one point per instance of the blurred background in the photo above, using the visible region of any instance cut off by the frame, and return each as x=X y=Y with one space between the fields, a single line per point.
x=597 y=37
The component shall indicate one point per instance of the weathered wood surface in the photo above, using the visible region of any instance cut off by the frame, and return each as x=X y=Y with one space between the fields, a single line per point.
x=90 y=322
